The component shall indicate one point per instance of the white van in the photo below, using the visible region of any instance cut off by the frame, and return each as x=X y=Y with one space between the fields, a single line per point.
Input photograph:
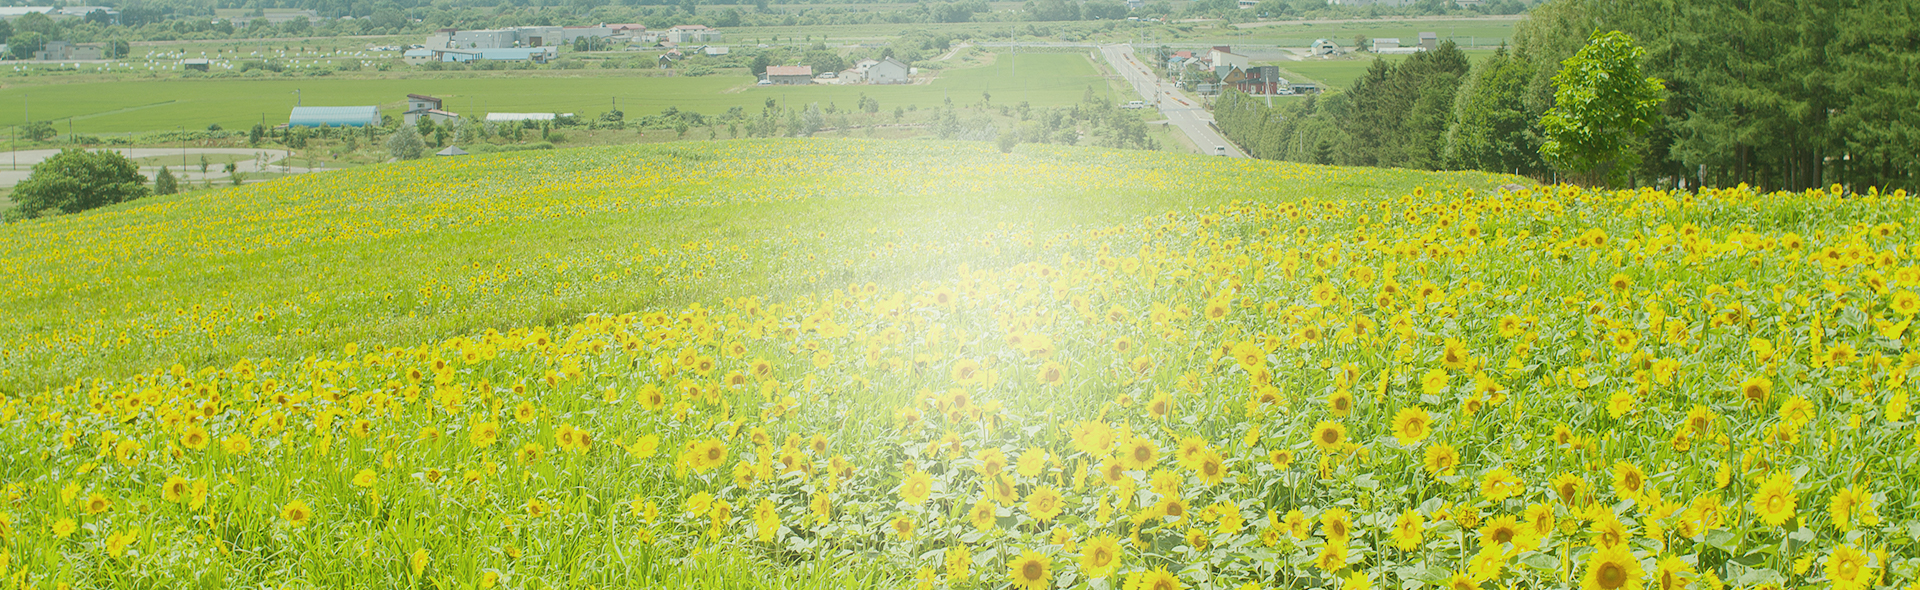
x=1219 y=150
x=1136 y=104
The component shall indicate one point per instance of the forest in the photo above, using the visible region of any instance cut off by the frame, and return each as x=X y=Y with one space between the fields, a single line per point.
x=1773 y=94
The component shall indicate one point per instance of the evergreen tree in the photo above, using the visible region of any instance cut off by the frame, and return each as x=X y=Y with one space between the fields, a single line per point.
x=164 y=183
x=1493 y=127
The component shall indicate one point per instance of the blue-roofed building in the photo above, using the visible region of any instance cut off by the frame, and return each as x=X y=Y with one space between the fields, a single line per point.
x=334 y=116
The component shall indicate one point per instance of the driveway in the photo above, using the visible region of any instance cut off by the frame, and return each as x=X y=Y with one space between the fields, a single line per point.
x=1191 y=118
x=15 y=166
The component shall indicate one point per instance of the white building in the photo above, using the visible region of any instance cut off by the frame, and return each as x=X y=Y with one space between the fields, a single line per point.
x=517 y=117
x=888 y=71
x=693 y=34
x=1224 y=59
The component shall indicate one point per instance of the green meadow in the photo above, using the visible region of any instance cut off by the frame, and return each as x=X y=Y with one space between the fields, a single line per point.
x=1476 y=32
x=1043 y=79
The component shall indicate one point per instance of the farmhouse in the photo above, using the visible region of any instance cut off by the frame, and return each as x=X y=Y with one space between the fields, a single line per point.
x=1325 y=47
x=199 y=64
x=420 y=105
x=1386 y=43
x=888 y=71
x=1429 y=41
x=790 y=74
x=334 y=117
x=1256 y=80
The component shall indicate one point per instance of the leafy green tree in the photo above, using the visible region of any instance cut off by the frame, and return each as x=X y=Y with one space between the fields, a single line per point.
x=76 y=180
x=38 y=130
x=164 y=183
x=37 y=22
x=1601 y=103
x=24 y=44
x=405 y=144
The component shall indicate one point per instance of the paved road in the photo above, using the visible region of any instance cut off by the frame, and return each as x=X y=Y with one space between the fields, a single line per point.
x=1191 y=118
x=12 y=173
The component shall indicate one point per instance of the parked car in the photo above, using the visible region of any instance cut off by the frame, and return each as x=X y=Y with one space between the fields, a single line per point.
x=1136 y=104
x=1219 y=150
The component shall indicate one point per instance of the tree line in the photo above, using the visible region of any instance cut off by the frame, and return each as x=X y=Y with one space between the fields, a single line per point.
x=1778 y=95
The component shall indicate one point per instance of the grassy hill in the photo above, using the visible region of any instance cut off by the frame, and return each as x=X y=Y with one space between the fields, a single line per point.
x=829 y=363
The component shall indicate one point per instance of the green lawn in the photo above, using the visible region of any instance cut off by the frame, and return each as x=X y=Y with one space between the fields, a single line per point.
x=1044 y=79
x=1341 y=73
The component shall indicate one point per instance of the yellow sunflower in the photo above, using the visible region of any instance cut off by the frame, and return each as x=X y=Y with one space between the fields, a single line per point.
x=296 y=513
x=1139 y=453
x=1044 y=503
x=1612 y=568
x=1848 y=568
x=1032 y=570
x=1329 y=435
x=1407 y=529
x=1154 y=579
x=982 y=514
x=1774 y=501
x=916 y=488
x=1100 y=556
x=1412 y=425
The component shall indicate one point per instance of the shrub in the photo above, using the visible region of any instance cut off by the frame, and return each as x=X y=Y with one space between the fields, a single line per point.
x=76 y=180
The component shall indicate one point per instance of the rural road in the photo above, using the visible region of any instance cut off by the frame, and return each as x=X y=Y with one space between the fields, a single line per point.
x=1191 y=118
x=11 y=174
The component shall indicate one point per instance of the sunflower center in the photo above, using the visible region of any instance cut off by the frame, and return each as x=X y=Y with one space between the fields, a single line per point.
x=1611 y=576
x=1777 y=503
x=1329 y=436
x=1032 y=570
x=1102 y=557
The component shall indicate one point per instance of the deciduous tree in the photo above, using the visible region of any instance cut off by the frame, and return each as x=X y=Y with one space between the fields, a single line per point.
x=1601 y=103
x=76 y=180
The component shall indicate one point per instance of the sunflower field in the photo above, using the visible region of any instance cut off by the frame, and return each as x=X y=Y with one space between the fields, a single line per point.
x=934 y=365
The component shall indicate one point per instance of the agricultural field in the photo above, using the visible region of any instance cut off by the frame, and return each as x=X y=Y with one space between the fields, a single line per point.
x=934 y=364
x=1042 y=79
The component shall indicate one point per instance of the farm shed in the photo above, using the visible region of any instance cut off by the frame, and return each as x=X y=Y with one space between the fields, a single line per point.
x=334 y=116
x=887 y=71
x=790 y=74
